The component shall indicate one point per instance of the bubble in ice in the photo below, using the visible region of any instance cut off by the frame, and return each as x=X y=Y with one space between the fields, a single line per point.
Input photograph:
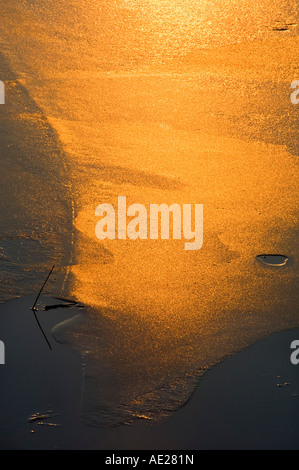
x=273 y=260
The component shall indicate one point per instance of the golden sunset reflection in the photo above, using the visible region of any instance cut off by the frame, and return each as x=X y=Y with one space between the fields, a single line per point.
x=173 y=102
